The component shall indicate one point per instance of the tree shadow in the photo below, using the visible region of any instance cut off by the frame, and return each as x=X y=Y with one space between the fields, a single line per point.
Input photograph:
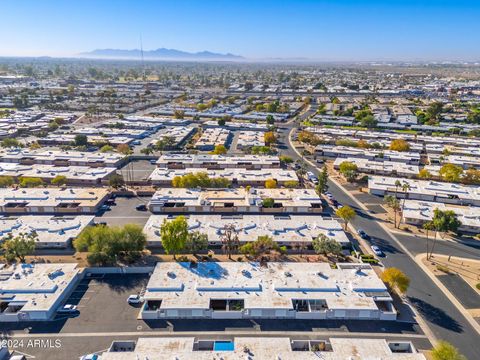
x=435 y=315
x=121 y=283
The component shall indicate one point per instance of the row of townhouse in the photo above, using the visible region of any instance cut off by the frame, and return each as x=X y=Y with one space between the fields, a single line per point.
x=33 y=292
x=417 y=213
x=51 y=231
x=289 y=230
x=69 y=139
x=245 y=290
x=237 y=176
x=75 y=175
x=61 y=201
x=389 y=168
x=61 y=157
x=234 y=201
x=410 y=157
x=207 y=161
x=434 y=191
x=260 y=347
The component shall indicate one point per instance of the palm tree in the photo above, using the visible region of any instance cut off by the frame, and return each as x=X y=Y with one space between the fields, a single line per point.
x=405 y=188
x=427 y=227
x=394 y=204
x=397 y=185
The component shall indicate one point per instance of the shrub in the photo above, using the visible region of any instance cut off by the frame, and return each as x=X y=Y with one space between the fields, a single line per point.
x=268 y=203
x=443 y=269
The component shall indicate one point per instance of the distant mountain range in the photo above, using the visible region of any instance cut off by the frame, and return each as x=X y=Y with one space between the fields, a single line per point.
x=159 y=54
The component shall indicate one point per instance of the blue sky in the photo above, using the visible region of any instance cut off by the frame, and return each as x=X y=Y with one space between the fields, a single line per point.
x=324 y=30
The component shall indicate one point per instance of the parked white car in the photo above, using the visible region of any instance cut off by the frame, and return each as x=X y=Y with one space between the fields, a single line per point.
x=67 y=309
x=376 y=250
x=134 y=299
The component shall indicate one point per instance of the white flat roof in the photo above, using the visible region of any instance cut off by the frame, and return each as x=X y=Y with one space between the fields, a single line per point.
x=388 y=167
x=423 y=210
x=259 y=347
x=50 y=229
x=182 y=286
x=237 y=196
x=422 y=187
x=46 y=171
x=282 y=228
x=18 y=154
x=53 y=196
x=39 y=285
x=198 y=160
x=241 y=175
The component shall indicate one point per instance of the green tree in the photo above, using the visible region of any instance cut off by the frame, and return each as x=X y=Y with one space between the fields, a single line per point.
x=106 y=245
x=446 y=351
x=219 y=150
x=325 y=245
x=284 y=159
x=116 y=181
x=270 y=119
x=346 y=213
x=81 y=140
x=434 y=110
x=59 y=180
x=443 y=222
x=11 y=142
x=6 y=181
x=268 y=203
x=199 y=179
x=174 y=234
x=368 y=122
x=424 y=174
x=30 y=182
x=20 y=246
x=106 y=148
x=165 y=143
x=196 y=241
x=396 y=279
x=349 y=170
x=451 y=173
x=291 y=184
x=147 y=151
x=322 y=186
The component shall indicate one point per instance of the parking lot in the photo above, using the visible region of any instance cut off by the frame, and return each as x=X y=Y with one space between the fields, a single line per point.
x=102 y=303
x=137 y=170
x=124 y=211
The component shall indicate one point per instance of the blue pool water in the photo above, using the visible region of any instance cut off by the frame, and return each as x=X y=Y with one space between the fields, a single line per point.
x=223 y=346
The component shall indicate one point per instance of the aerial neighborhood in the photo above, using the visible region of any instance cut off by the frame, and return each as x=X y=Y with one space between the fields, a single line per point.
x=229 y=211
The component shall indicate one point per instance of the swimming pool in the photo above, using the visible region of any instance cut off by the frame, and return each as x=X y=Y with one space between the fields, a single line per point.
x=223 y=346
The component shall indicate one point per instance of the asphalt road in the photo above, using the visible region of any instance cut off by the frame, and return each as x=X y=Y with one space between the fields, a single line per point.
x=444 y=319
